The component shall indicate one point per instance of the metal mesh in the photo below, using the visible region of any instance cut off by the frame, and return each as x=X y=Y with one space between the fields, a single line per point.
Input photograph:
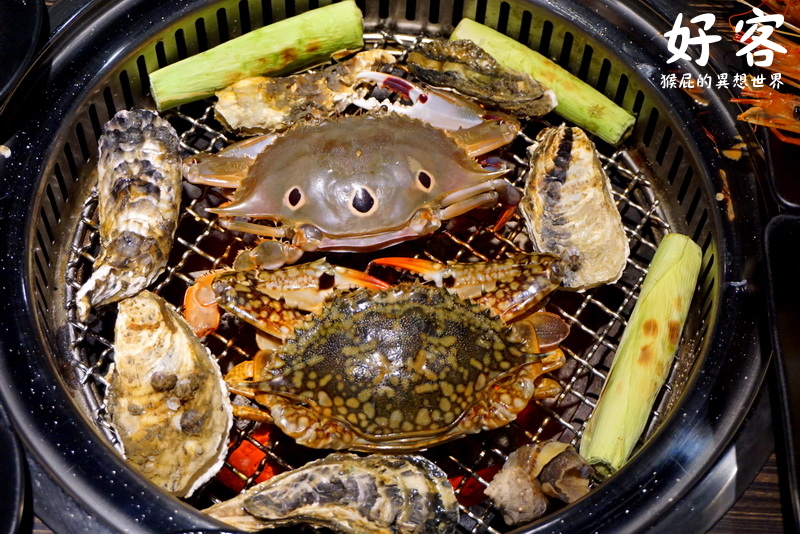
x=596 y=317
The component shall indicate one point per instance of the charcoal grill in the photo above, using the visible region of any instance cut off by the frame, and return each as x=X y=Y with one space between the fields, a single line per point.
x=669 y=176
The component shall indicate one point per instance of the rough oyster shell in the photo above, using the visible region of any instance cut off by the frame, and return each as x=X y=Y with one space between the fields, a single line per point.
x=166 y=397
x=139 y=195
x=570 y=211
x=464 y=66
x=350 y=494
x=264 y=104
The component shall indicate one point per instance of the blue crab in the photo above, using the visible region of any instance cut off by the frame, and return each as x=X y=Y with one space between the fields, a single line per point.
x=395 y=368
x=361 y=182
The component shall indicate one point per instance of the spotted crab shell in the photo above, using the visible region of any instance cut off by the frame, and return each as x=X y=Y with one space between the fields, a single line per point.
x=350 y=494
x=166 y=397
x=398 y=370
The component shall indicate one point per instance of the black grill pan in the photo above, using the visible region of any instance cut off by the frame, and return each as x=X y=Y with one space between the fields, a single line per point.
x=671 y=175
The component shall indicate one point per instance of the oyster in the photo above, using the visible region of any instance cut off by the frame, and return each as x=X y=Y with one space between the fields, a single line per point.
x=534 y=472
x=139 y=188
x=464 y=66
x=265 y=104
x=166 y=397
x=569 y=209
x=350 y=494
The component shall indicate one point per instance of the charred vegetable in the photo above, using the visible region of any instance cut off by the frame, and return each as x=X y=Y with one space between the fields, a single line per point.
x=534 y=472
x=464 y=66
x=644 y=356
x=139 y=194
x=350 y=494
x=577 y=101
x=308 y=39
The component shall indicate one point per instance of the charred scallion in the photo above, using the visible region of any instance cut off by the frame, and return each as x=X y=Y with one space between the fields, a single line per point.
x=578 y=102
x=644 y=356
x=301 y=41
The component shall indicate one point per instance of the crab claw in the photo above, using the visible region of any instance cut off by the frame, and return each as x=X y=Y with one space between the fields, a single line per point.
x=430 y=270
x=345 y=277
x=473 y=128
x=542 y=331
x=434 y=107
x=200 y=306
x=275 y=301
x=509 y=288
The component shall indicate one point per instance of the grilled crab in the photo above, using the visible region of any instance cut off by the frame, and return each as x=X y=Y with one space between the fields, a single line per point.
x=394 y=368
x=361 y=182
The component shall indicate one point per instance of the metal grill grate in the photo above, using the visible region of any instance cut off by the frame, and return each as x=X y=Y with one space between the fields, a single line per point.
x=597 y=317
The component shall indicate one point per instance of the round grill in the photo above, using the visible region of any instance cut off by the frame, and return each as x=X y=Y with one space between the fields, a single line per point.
x=667 y=177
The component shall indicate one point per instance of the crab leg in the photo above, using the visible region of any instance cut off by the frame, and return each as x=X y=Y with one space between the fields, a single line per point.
x=228 y=167
x=487 y=136
x=509 y=288
x=487 y=192
x=253 y=228
x=273 y=301
x=267 y=254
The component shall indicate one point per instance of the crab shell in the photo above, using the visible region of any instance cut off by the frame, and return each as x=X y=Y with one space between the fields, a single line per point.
x=399 y=369
x=362 y=182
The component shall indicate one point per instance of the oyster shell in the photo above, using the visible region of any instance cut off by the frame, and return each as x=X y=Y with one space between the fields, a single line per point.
x=264 y=104
x=350 y=494
x=570 y=211
x=139 y=195
x=166 y=397
x=464 y=66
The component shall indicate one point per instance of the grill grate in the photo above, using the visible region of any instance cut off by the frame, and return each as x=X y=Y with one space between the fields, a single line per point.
x=597 y=317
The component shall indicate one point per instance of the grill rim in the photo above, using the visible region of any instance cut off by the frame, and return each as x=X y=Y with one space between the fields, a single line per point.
x=738 y=259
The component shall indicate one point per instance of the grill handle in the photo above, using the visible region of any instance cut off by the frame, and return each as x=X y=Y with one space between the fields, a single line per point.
x=783 y=256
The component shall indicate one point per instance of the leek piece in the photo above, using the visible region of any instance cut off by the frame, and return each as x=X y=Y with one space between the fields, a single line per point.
x=578 y=101
x=644 y=356
x=304 y=40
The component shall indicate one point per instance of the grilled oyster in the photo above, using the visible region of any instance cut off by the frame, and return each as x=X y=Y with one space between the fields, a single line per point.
x=139 y=187
x=265 y=104
x=166 y=397
x=464 y=66
x=350 y=494
x=570 y=211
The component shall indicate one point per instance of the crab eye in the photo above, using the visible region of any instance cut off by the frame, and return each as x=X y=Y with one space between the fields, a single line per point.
x=364 y=201
x=424 y=180
x=294 y=198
